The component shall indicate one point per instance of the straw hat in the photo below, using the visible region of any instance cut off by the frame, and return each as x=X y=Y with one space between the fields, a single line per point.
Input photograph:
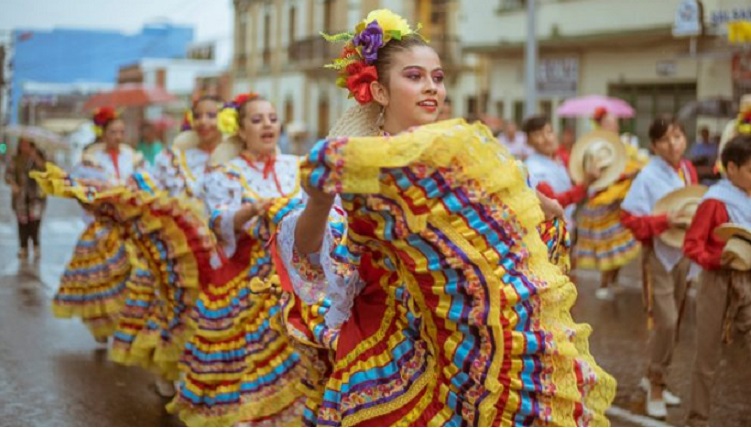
x=228 y=149
x=683 y=201
x=737 y=247
x=186 y=140
x=601 y=150
x=358 y=121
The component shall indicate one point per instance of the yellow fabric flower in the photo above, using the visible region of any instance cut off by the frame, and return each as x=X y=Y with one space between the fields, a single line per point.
x=739 y=32
x=388 y=21
x=227 y=121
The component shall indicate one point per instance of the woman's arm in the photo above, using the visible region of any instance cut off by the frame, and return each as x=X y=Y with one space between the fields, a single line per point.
x=311 y=225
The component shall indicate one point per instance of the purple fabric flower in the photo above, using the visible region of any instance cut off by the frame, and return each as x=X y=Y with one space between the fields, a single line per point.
x=371 y=39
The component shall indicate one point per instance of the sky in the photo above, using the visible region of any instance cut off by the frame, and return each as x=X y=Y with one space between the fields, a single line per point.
x=211 y=19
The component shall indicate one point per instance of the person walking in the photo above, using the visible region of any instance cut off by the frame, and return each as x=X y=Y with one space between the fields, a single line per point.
x=28 y=199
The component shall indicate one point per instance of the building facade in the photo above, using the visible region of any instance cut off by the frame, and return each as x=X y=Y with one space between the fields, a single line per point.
x=279 y=52
x=66 y=56
x=179 y=77
x=620 y=48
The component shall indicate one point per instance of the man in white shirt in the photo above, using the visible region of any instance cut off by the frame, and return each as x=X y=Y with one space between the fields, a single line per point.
x=515 y=141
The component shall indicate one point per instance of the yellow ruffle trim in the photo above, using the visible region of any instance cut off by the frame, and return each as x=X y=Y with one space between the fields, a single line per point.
x=475 y=159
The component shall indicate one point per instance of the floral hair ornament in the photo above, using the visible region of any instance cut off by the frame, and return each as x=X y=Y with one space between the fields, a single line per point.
x=103 y=116
x=356 y=62
x=599 y=113
x=229 y=115
x=187 y=123
x=743 y=124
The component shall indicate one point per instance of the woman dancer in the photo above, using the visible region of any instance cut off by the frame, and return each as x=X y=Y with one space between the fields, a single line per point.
x=93 y=284
x=602 y=242
x=238 y=365
x=153 y=324
x=430 y=323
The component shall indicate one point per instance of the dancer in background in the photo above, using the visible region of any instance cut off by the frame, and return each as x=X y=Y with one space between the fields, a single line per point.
x=602 y=242
x=153 y=324
x=238 y=365
x=93 y=285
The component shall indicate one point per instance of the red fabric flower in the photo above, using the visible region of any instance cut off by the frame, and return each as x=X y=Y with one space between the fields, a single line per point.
x=359 y=78
x=600 y=112
x=348 y=50
x=241 y=99
x=104 y=115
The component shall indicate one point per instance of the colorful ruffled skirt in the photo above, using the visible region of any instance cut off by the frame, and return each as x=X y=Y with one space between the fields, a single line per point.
x=170 y=247
x=175 y=246
x=93 y=285
x=239 y=365
x=462 y=319
x=602 y=242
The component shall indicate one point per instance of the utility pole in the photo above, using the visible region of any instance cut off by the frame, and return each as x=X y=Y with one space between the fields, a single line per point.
x=530 y=61
x=2 y=78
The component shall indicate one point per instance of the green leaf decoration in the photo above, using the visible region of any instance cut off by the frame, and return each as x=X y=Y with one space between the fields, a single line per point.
x=395 y=34
x=341 y=37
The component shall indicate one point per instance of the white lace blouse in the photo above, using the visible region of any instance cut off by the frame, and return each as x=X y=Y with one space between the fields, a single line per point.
x=181 y=171
x=242 y=181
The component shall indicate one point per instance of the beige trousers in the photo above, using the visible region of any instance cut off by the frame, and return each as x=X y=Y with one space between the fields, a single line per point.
x=713 y=300
x=668 y=294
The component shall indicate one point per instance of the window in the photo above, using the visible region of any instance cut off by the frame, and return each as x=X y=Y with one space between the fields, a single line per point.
x=500 y=109
x=546 y=108
x=651 y=100
x=472 y=107
x=323 y=117
x=518 y=111
x=266 y=39
x=242 y=35
x=512 y=4
x=289 y=111
x=328 y=15
x=292 y=24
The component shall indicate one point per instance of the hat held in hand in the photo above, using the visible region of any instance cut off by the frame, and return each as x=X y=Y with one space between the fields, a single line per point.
x=683 y=203
x=600 y=151
x=737 y=252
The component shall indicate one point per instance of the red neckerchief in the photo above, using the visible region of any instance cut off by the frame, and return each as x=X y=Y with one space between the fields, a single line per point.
x=114 y=154
x=269 y=163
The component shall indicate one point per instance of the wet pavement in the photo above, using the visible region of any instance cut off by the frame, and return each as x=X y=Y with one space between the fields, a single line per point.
x=53 y=373
x=619 y=346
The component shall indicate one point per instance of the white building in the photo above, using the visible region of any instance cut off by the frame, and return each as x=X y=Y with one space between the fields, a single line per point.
x=611 y=47
x=279 y=52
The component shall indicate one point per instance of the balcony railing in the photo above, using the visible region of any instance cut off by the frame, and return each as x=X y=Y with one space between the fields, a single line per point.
x=314 y=52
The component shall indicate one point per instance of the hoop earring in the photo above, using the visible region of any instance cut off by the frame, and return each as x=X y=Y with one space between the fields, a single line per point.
x=380 y=119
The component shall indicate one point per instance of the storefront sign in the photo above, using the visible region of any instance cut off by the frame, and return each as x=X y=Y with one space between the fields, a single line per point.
x=666 y=68
x=557 y=76
x=720 y=17
x=688 y=19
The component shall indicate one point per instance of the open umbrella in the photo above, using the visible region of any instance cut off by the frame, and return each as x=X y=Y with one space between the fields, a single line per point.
x=34 y=133
x=585 y=106
x=130 y=95
x=717 y=107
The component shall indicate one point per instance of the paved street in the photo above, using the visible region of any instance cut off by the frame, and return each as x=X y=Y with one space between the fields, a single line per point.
x=51 y=370
x=53 y=373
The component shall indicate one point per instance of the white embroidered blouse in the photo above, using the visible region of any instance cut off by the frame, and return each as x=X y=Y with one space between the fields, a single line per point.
x=241 y=181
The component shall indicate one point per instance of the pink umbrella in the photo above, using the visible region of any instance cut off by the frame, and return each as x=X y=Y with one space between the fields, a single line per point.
x=585 y=106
